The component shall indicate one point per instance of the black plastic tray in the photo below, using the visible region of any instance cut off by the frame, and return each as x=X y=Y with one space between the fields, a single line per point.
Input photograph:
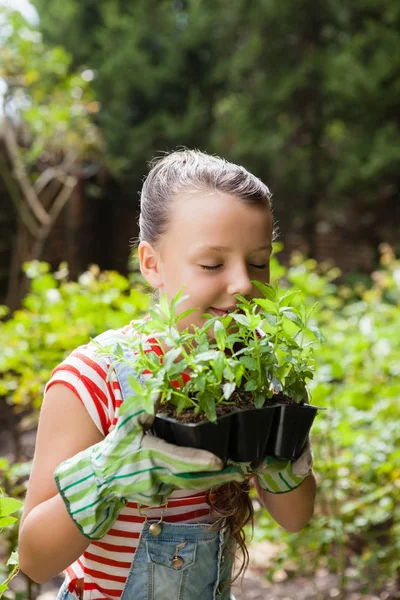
x=280 y=430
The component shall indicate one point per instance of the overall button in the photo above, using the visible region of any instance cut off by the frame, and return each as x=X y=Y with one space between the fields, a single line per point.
x=177 y=562
x=155 y=529
x=221 y=587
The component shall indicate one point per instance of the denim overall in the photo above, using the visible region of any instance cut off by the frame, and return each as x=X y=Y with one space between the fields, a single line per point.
x=183 y=562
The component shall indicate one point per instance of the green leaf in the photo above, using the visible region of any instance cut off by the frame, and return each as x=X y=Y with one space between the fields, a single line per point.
x=185 y=314
x=164 y=306
x=211 y=413
x=239 y=371
x=219 y=364
x=228 y=389
x=7 y=521
x=267 y=290
x=232 y=339
x=288 y=296
x=13 y=560
x=207 y=356
x=4 y=464
x=175 y=335
x=317 y=333
x=283 y=371
x=251 y=385
x=118 y=352
x=182 y=404
x=242 y=319
x=266 y=305
x=220 y=335
x=271 y=320
x=207 y=405
x=292 y=316
x=148 y=403
x=311 y=310
x=135 y=385
x=170 y=357
x=9 y=506
x=288 y=358
x=177 y=299
x=259 y=399
x=242 y=300
x=200 y=382
x=249 y=363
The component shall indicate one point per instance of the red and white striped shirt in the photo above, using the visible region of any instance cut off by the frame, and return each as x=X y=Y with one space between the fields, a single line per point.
x=102 y=570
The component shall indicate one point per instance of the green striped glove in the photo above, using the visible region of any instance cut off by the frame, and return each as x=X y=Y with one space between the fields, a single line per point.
x=280 y=476
x=129 y=465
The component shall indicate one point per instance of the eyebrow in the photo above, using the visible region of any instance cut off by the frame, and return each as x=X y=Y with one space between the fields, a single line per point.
x=227 y=249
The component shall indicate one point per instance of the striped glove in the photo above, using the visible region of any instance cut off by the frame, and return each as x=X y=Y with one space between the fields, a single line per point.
x=129 y=465
x=280 y=476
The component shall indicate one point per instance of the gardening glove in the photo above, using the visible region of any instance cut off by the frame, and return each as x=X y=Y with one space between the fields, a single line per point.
x=129 y=465
x=280 y=476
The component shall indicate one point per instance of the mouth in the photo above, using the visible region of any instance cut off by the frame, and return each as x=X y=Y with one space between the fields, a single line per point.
x=222 y=312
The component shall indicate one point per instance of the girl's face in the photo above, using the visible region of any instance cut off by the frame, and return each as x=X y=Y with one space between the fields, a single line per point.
x=214 y=246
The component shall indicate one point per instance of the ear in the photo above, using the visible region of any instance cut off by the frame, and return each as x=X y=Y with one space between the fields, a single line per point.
x=149 y=264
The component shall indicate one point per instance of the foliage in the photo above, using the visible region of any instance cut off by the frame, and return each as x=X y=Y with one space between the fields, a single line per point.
x=260 y=346
x=355 y=531
x=55 y=103
x=155 y=86
x=357 y=523
x=305 y=94
x=58 y=315
x=8 y=507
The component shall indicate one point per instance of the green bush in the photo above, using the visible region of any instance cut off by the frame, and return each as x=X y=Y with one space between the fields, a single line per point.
x=356 y=528
x=8 y=508
x=57 y=316
x=356 y=441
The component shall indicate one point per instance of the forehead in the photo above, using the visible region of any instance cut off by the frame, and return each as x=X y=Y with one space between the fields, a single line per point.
x=217 y=219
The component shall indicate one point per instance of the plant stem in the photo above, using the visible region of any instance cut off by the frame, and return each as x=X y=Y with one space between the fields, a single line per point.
x=257 y=349
x=188 y=357
x=184 y=396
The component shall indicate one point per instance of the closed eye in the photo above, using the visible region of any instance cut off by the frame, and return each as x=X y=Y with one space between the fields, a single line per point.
x=213 y=268
x=208 y=268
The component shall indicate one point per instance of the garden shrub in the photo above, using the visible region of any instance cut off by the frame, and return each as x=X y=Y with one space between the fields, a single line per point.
x=356 y=527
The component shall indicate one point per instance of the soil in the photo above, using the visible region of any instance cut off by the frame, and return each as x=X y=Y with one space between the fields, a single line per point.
x=240 y=400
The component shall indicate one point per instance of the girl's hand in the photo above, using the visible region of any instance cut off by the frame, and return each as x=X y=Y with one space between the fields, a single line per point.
x=280 y=476
x=129 y=465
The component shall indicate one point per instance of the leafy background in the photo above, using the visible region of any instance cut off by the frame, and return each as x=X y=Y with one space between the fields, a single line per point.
x=355 y=531
x=305 y=95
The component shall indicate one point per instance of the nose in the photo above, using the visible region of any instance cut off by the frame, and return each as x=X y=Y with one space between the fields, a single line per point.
x=239 y=282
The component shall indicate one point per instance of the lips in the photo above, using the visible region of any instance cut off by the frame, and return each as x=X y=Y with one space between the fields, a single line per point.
x=221 y=312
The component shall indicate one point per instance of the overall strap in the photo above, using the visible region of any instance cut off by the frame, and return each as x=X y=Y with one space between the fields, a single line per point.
x=124 y=370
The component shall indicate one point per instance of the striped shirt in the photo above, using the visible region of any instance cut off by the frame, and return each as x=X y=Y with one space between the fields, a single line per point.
x=102 y=570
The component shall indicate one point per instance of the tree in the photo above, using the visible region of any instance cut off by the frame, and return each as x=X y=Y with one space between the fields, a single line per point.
x=304 y=93
x=45 y=133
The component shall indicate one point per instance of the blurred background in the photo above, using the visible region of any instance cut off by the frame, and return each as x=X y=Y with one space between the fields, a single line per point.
x=306 y=95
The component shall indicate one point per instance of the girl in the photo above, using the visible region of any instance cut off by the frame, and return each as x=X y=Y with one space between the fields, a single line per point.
x=126 y=515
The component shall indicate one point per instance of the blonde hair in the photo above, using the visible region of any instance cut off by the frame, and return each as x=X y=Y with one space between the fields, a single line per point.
x=190 y=170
